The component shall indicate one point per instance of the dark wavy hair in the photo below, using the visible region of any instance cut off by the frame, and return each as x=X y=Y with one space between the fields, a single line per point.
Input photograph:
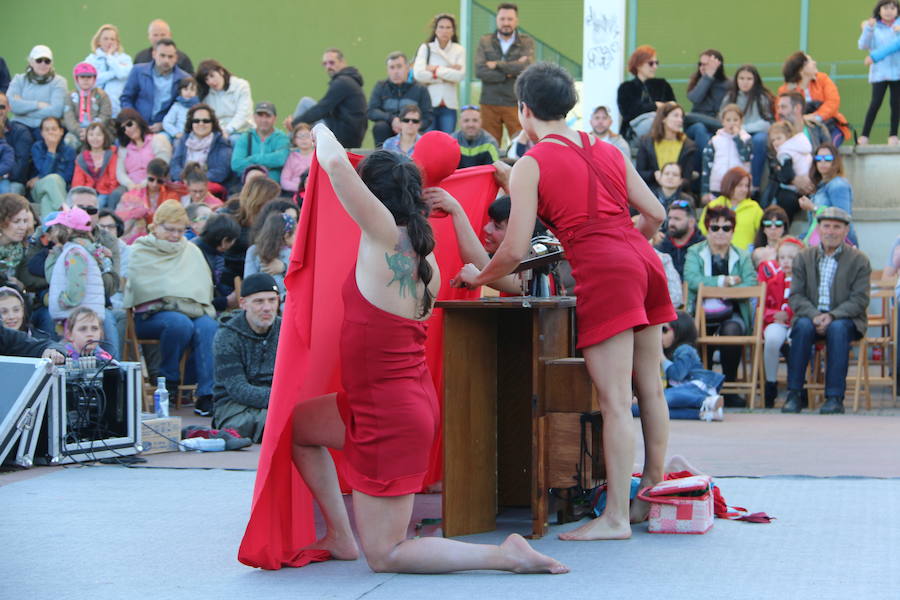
x=658 y=128
x=548 y=90
x=188 y=126
x=720 y=72
x=272 y=206
x=757 y=95
x=434 y=23
x=203 y=71
x=125 y=115
x=772 y=213
x=396 y=181
x=714 y=213
x=10 y=206
x=685 y=332
x=837 y=165
x=793 y=64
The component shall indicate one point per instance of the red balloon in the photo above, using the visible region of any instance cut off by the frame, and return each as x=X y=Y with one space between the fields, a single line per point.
x=437 y=155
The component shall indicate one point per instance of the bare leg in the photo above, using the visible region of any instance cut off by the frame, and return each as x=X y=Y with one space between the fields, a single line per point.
x=679 y=463
x=382 y=523
x=654 y=413
x=609 y=364
x=318 y=426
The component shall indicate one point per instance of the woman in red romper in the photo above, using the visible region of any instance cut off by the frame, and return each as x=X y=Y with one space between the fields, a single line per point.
x=387 y=415
x=581 y=189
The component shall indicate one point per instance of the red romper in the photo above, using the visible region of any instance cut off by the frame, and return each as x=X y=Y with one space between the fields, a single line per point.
x=619 y=281
x=389 y=405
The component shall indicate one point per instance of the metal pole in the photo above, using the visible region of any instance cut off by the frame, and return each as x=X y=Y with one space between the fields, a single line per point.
x=465 y=29
x=632 y=25
x=804 y=25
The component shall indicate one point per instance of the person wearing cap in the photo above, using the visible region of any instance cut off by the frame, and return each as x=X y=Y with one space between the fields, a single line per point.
x=829 y=297
x=112 y=64
x=38 y=92
x=681 y=232
x=86 y=104
x=227 y=94
x=263 y=146
x=244 y=354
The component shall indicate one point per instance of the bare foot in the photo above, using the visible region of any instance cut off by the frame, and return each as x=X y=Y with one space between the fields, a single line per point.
x=601 y=528
x=340 y=548
x=528 y=560
x=679 y=463
x=639 y=509
x=862 y=140
x=893 y=140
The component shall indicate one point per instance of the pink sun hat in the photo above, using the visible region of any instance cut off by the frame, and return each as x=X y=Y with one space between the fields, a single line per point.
x=75 y=218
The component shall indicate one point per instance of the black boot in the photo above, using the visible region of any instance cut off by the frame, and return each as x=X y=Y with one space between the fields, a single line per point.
x=834 y=405
x=204 y=406
x=792 y=402
x=771 y=393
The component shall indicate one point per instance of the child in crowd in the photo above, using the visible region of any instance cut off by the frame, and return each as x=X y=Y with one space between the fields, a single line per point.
x=693 y=391
x=776 y=274
x=668 y=187
x=879 y=36
x=299 y=159
x=173 y=123
x=790 y=155
x=7 y=162
x=272 y=251
x=219 y=234
x=730 y=147
x=194 y=177
x=199 y=214
x=85 y=105
x=95 y=167
x=83 y=332
x=136 y=208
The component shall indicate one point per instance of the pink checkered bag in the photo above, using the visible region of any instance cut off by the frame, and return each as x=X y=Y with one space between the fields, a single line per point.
x=680 y=505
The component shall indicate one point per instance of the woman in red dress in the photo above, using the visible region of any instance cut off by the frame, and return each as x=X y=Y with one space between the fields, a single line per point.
x=582 y=191
x=387 y=415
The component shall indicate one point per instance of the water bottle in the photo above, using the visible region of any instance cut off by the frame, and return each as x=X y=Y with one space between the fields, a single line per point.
x=202 y=444
x=161 y=398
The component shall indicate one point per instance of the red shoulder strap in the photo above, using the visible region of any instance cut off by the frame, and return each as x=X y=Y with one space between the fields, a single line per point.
x=584 y=151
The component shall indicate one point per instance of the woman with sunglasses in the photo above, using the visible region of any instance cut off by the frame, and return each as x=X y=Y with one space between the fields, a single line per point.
x=639 y=98
x=718 y=262
x=832 y=189
x=736 y=196
x=405 y=141
x=774 y=227
x=439 y=65
x=137 y=147
x=38 y=92
x=205 y=144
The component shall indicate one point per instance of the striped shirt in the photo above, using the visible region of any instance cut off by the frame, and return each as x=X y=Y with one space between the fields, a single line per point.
x=827 y=269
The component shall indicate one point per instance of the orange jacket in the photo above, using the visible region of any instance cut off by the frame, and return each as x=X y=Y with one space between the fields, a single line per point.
x=104 y=183
x=824 y=90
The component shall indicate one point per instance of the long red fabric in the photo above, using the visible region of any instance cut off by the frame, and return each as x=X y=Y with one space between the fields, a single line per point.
x=307 y=364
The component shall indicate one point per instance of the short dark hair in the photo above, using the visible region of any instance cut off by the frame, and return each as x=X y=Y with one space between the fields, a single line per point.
x=165 y=42
x=508 y=6
x=500 y=208
x=548 y=90
x=793 y=65
x=120 y=225
x=220 y=227
x=876 y=12
x=125 y=115
x=714 y=213
x=395 y=55
x=408 y=108
x=685 y=331
x=795 y=97
x=337 y=51
x=184 y=82
x=158 y=167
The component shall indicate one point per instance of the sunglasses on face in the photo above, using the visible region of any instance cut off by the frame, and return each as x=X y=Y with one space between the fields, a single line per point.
x=407 y=120
x=776 y=223
x=152 y=179
x=127 y=124
x=43 y=61
x=653 y=63
x=717 y=228
x=91 y=210
x=195 y=121
x=666 y=329
x=2 y=107
x=824 y=158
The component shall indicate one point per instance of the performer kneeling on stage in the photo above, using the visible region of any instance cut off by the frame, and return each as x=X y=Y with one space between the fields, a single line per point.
x=387 y=415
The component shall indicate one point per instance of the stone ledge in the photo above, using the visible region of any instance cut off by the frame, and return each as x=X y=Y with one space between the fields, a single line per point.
x=874 y=215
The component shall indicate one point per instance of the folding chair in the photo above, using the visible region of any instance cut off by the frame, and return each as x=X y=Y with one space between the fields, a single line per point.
x=132 y=351
x=886 y=340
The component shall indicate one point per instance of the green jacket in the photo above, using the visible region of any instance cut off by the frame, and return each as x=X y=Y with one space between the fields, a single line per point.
x=849 y=288
x=271 y=153
x=698 y=269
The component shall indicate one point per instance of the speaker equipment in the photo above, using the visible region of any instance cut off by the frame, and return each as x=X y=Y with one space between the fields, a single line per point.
x=27 y=385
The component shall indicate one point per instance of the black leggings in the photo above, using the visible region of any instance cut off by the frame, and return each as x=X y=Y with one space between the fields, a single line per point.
x=729 y=356
x=878 y=90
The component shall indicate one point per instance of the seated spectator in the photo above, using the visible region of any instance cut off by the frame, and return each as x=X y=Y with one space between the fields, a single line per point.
x=218 y=235
x=85 y=105
x=205 y=144
x=86 y=199
x=519 y=145
x=879 y=37
x=7 y=164
x=198 y=214
x=405 y=141
x=832 y=189
x=280 y=206
x=271 y=250
x=736 y=196
x=263 y=146
x=343 y=107
x=829 y=298
x=719 y=263
x=54 y=164
x=774 y=228
x=681 y=233
x=152 y=87
x=197 y=183
x=299 y=159
x=37 y=93
x=390 y=95
x=109 y=224
x=20 y=139
x=136 y=207
x=673 y=278
x=14 y=221
x=159 y=30
x=790 y=108
x=706 y=88
x=111 y=63
x=668 y=188
x=256 y=193
x=83 y=331
x=176 y=119
x=757 y=104
x=244 y=351
x=729 y=148
x=95 y=166
x=823 y=101
x=667 y=143
x=170 y=289
x=228 y=95
x=640 y=98
x=601 y=127
x=790 y=158
x=477 y=146
x=137 y=147
x=14 y=312
x=439 y=65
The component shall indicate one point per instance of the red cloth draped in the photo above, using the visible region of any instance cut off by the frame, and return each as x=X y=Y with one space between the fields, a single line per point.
x=307 y=364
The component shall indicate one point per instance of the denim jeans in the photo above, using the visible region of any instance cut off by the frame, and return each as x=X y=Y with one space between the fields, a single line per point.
x=174 y=332
x=684 y=402
x=5 y=186
x=444 y=119
x=837 y=342
x=111 y=333
x=760 y=144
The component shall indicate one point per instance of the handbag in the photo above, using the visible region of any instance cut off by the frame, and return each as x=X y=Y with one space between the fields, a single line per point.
x=680 y=505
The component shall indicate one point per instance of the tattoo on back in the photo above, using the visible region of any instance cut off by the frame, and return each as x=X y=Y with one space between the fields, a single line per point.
x=403 y=265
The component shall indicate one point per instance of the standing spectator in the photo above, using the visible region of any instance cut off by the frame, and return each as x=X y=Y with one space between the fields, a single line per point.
x=405 y=141
x=667 y=143
x=85 y=105
x=54 y=163
x=264 y=145
x=152 y=87
x=38 y=92
x=477 y=146
x=440 y=65
x=390 y=95
x=706 y=88
x=730 y=147
x=159 y=30
x=176 y=118
x=299 y=159
x=601 y=127
x=879 y=33
x=137 y=147
x=823 y=100
x=112 y=64
x=832 y=189
x=14 y=220
x=226 y=94
x=668 y=185
x=20 y=139
x=736 y=196
x=681 y=234
x=500 y=58
x=95 y=166
x=773 y=230
x=829 y=297
x=640 y=98
x=758 y=106
x=205 y=144
x=343 y=107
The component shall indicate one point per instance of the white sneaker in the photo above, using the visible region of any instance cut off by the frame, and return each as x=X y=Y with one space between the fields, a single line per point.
x=712 y=409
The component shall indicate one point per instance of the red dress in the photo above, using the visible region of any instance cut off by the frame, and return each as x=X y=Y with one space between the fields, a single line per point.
x=620 y=282
x=389 y=405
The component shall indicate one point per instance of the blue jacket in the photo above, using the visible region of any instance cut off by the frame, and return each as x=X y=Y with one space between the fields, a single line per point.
x=884 y=43
x=139 y=92
x=836 y=192
x=7 y=159
x=20 y=138
x=62 y=162
x=685 y=366
x=218 y=161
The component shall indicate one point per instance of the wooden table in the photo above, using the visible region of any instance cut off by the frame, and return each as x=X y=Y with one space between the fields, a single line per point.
x=493 y=438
